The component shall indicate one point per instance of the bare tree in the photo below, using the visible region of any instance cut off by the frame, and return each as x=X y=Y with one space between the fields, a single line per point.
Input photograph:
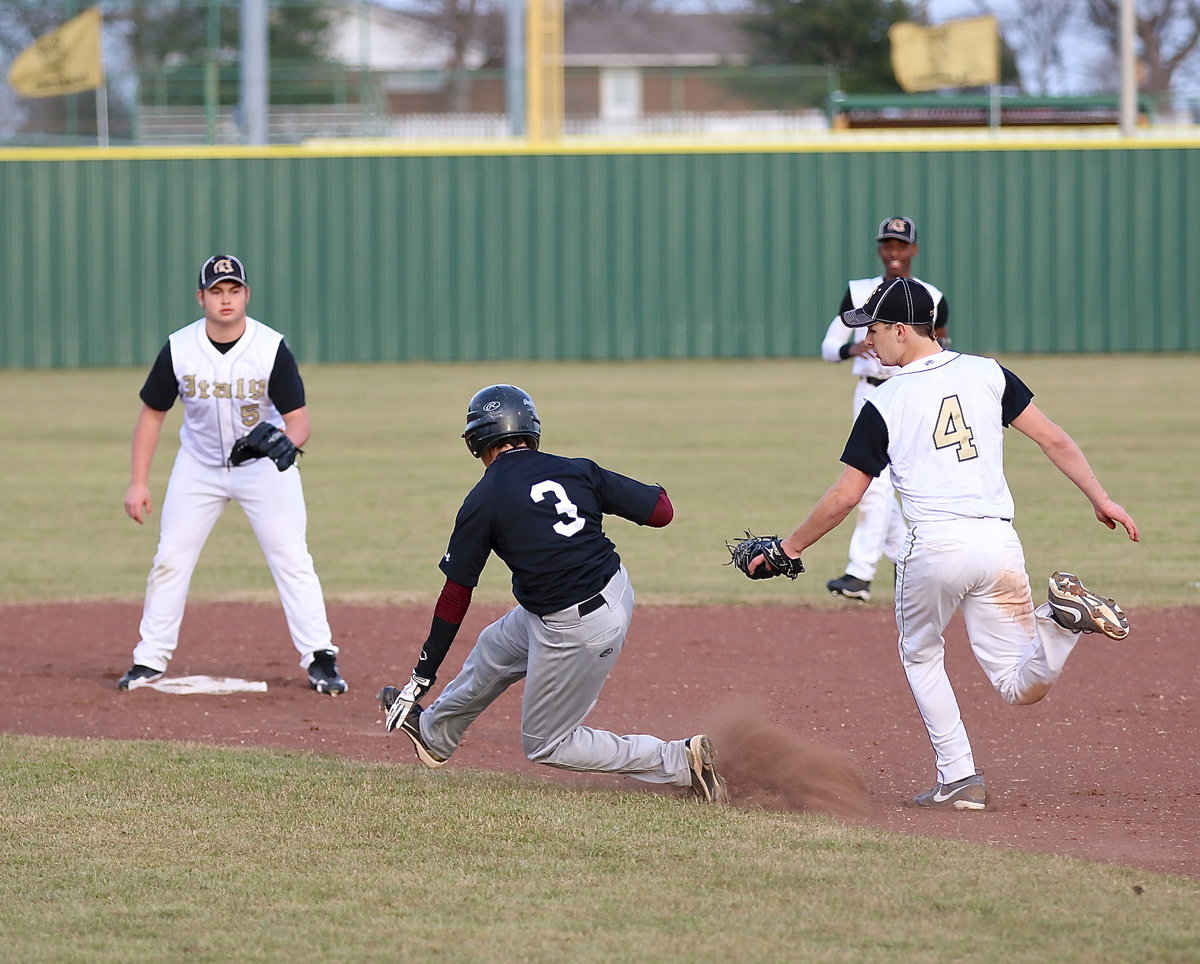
x=1038 y=32
x=1039 y=29
x=1167 y=33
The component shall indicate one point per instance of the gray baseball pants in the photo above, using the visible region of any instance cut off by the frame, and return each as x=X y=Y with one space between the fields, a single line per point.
x=564 y=659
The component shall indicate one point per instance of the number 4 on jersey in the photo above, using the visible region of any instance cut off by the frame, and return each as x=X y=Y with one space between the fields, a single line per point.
x=952 y=430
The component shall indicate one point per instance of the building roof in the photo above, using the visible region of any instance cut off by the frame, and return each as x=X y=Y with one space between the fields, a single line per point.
x=385 y=39
x=654 y=39
x=394 y=39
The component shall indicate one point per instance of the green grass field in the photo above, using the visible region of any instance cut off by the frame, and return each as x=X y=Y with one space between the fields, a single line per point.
x=156 y=852
x=737 y=444
x=118 y=851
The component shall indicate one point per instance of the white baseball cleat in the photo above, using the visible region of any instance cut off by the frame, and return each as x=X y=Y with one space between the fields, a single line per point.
x=1084 y=612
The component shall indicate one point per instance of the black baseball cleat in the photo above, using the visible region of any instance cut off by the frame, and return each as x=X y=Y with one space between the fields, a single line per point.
x=387 y=697
x=138 y=672
x=323 y=673
x=851 y=587
x=708 y=786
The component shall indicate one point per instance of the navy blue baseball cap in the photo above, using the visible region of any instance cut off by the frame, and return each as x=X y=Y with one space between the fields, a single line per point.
x=222 y=267
x=902 y=229
x=897 y=301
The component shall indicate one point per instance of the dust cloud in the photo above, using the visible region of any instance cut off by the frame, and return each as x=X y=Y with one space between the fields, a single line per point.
x=771 y=767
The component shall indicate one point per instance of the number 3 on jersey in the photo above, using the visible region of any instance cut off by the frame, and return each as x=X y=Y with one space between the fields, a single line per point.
x=564 y=506
x=952 y=430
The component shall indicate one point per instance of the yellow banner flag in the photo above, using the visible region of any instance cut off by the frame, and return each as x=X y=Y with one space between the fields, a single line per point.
x=64 y=61
x=958 y=53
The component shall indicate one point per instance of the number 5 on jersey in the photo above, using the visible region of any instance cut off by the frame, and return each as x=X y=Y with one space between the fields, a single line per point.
x=564 y=506
x=952 y=430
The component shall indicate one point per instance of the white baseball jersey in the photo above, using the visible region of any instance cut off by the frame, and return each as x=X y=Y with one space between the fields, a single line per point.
x=224 y=395
x=864 y=366
x=939 y=424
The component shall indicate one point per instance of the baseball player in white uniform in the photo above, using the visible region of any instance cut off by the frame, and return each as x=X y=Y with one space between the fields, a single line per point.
x=232 y=373
x=879 y=529
x=937 y=425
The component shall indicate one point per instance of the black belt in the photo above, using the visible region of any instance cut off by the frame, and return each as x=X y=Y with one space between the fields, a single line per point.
x=591 y=605
x=874 y=381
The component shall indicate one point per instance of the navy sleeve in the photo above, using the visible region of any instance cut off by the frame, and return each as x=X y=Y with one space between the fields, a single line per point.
x=942 y=317
x=847 y=303
x=866 y=448
x=1016 y=398
x=285 y=387
x=471 y=541
x=626 y=497
x=160 y=390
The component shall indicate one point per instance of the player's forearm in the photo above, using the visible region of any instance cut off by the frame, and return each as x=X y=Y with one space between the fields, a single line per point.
x=434 y=649
x=146 y=433
x=1066 y=456
x=835 y=341
x=832 y=509
x=448 y=615
x=297 y=426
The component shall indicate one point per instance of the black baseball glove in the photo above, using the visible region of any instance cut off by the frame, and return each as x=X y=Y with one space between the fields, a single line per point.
x=776 y=561
x=265 y=441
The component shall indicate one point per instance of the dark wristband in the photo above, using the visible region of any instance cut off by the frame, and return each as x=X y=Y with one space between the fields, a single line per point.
x=844 y=351
x=435 y=648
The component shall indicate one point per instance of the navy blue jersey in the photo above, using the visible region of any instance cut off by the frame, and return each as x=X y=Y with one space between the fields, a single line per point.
x=542 y=514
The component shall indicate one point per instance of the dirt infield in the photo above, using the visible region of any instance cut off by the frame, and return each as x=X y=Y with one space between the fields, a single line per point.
x=808 y=709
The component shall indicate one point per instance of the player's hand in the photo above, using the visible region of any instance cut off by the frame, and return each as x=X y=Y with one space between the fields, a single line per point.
x=1110 y=514
x=761 y=557
x=398 y=705
x=138 y=504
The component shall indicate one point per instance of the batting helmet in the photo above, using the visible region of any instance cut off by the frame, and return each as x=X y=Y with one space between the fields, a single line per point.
x=500 y=412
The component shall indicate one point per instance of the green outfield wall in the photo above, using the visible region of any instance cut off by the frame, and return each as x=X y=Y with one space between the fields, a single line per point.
x=638 y=253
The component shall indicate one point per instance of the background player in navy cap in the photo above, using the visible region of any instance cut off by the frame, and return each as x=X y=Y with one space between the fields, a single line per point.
x=543 y=515
x=938 y=426
x=238 y=382
x=879 y=527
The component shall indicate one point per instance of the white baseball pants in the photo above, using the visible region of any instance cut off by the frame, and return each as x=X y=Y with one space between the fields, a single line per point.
x=978 y=566
x=273 y=501
x=564 y=660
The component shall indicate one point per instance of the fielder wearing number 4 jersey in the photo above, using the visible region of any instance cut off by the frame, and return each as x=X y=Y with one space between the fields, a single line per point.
x=543 y=515
x=238 y=382
x=937 y=426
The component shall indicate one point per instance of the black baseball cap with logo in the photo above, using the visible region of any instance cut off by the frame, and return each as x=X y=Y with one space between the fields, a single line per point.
x=222 y=267
x=902 y=229
x=897 y=301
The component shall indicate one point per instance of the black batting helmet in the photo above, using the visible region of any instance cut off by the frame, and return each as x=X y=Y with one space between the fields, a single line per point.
x=500 y=412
